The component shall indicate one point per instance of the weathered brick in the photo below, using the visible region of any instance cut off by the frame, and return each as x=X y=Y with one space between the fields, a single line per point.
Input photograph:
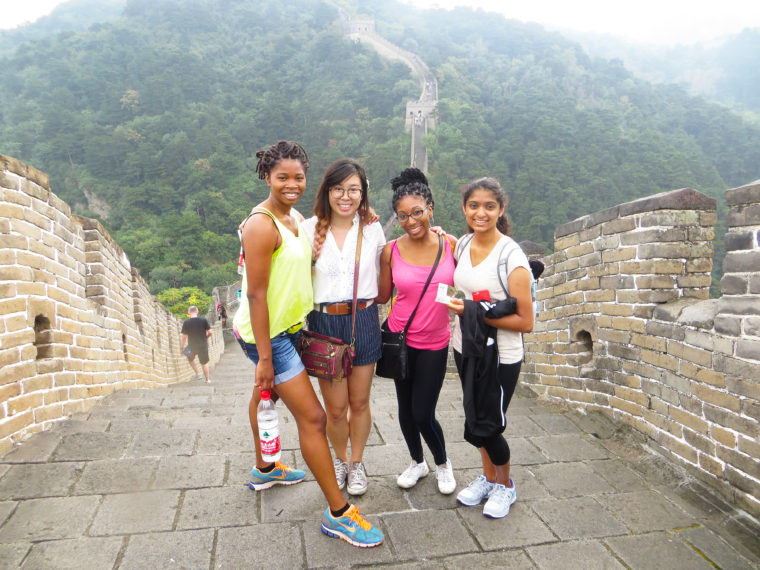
x=716 y=397
x=749 y=349
x=691 y=354
x=48 y=413
x=683 y=450
x=689 y=420
x=700 y=442
x=749 y=446
x=739 y=461
x=711 y=465
x=741 y=262
x=728 y=419
x=650 y=342
x=660 y=360
x=16 y=423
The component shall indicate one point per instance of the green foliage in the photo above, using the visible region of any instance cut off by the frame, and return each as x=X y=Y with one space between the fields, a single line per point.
x=152 y=121
x=178 y=300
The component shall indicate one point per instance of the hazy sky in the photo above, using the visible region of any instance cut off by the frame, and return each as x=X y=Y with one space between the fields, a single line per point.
x=647 y=21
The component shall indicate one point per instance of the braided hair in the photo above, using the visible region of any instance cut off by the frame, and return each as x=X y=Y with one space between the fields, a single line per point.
x=411 y=182
x=491 y=185
x=336 y=173
x=279 y=151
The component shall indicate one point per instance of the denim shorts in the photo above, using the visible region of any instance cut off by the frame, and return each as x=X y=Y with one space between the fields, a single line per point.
x=285 y=360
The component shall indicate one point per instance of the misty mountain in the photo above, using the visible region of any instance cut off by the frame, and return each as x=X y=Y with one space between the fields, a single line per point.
x=72 y=16
x=727 y=71
x=150 y=121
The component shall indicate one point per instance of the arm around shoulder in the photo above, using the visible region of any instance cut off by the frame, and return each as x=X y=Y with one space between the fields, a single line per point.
x=385 y=279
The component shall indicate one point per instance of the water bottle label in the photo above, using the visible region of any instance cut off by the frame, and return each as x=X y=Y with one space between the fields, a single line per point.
x=270 y=442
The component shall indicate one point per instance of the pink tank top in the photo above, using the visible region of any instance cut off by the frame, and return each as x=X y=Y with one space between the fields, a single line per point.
x=430 y=328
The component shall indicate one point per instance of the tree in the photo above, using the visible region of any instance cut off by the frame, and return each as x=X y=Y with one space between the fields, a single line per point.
x=179 y=300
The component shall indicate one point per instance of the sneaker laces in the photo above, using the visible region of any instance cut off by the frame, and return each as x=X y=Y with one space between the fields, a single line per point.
x=278 y=465
x=411 y=470
x=354 y=515
x=341 y=467
x=357 y=472
x=480 y=484
x=444 y=473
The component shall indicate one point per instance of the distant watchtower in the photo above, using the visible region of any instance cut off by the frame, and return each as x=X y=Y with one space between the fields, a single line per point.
x=361 y=26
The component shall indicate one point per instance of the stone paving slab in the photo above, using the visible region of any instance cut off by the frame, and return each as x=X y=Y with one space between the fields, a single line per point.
x=78 y=552
x=158 y=478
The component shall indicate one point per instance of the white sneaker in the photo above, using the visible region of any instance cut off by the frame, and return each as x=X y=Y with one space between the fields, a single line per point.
x=499 y=501
x=412 y=474
x=475 y=492
x=445 y=476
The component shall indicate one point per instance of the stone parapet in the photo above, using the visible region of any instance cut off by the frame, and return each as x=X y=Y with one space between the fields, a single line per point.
x=626 y=326
x=76 y=320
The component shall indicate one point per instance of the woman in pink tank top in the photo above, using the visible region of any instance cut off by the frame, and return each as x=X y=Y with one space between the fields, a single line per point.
x=406 y=264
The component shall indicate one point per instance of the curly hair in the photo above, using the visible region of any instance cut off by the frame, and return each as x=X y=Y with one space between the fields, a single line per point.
x=280 y=150
x=411 y=182
x=336 y=173
x=491 y=185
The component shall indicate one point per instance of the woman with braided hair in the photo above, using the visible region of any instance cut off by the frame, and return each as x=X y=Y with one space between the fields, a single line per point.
x=276 y=297
x=406 y=263
x=341 y=211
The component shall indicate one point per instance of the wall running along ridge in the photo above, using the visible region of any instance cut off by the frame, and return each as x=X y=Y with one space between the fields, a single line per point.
x=76 y=320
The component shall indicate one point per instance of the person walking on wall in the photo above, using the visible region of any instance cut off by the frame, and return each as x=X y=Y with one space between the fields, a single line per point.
x=341 y=212
x=276 y=297
x=406 y=263
x=481 y=361
x=194 y=341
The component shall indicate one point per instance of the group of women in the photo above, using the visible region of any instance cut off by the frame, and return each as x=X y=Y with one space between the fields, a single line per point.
x=301 y=273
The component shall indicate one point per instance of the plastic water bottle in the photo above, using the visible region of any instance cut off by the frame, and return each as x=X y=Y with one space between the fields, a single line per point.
x=269 y=430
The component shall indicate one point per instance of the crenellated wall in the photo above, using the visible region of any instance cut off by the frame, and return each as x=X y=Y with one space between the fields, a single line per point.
x=627 y=327
x=76 y=320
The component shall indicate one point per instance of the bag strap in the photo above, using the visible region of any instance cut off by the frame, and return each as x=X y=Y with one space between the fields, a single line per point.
x=430 y=277
x=505 y=263
x=461 y=244
x=356 y=285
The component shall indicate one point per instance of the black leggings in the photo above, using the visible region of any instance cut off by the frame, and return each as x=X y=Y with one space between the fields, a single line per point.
x=417 y=397
x=495 y=445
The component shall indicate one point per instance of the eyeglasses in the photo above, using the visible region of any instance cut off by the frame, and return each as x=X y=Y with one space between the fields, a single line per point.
x=415 y=215
x=339 y=192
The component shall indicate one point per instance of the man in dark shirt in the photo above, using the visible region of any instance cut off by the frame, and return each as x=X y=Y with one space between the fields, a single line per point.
x=195 y=332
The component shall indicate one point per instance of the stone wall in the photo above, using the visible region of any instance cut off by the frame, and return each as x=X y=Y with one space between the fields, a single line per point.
x=627 y=327
x=76 y=320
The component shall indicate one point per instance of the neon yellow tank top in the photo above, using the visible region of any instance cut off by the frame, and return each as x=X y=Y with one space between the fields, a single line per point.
x=290 y=294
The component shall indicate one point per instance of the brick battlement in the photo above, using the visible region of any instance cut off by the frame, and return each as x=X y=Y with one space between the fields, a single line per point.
x=627 y=327
x=77 y=321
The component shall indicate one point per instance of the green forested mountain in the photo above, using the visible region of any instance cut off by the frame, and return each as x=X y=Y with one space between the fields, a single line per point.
x=150 y=122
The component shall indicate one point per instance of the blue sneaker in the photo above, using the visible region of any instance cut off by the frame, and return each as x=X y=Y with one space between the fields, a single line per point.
x=280 y=475
x=353 y=528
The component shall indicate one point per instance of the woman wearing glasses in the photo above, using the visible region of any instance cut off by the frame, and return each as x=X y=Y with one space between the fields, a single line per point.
x=406 y=264
x=341 y=212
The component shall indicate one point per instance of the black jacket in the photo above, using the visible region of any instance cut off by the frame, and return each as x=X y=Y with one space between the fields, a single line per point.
x=482 y=393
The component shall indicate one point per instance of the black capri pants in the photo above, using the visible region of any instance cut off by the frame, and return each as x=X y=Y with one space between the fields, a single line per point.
x=495 y=445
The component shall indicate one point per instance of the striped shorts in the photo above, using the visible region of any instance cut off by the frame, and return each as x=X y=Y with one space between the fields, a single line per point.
x=368 y=340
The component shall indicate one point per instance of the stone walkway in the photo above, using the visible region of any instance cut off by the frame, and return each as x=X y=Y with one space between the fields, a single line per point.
x=157 y=479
